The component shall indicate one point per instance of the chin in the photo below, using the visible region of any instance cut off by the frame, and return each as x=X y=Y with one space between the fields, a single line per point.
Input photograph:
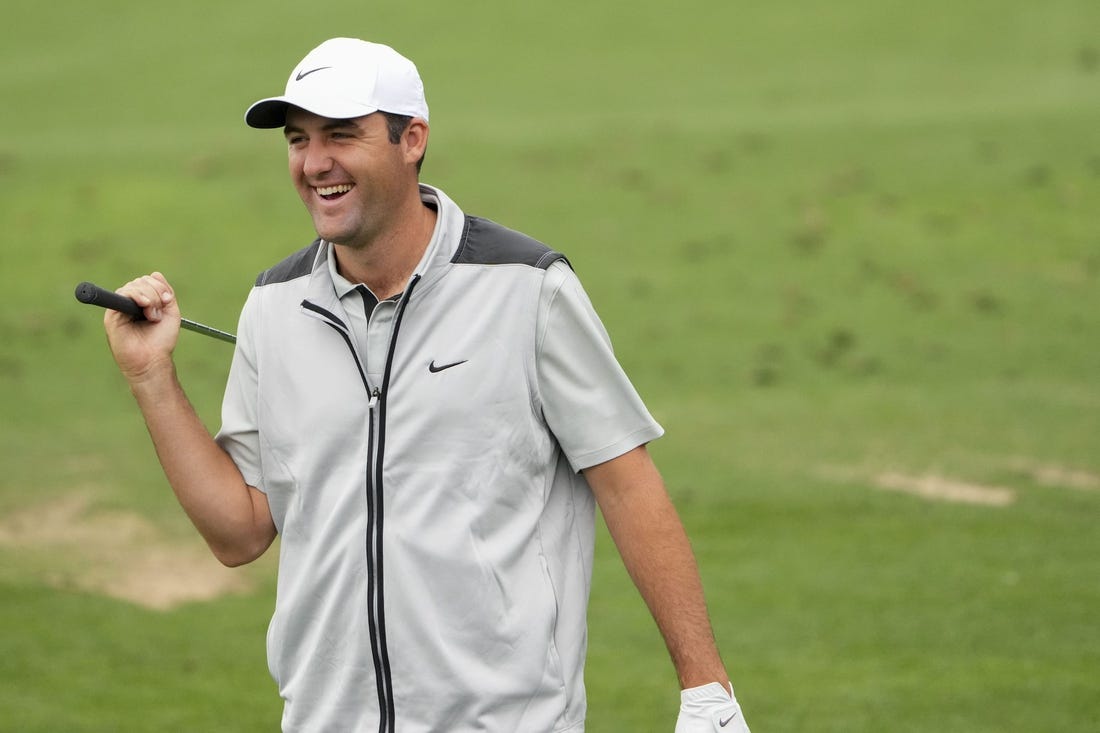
x=330 y=233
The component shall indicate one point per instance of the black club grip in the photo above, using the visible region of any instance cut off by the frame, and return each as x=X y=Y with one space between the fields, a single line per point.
x=92 y=294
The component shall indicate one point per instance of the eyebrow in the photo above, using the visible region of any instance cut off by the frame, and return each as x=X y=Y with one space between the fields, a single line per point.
x=327 y=127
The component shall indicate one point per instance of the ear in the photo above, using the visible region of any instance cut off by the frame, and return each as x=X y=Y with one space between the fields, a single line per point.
x=415 y=139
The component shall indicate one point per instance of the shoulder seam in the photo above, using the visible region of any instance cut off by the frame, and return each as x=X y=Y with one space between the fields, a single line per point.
x=292 y=267
x=485 y=242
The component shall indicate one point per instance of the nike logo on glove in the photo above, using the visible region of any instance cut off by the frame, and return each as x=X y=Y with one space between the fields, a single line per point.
x=303 y=74
x=433 y=368
x=724 y=723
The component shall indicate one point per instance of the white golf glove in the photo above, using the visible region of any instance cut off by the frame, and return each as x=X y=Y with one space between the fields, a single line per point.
x=710 y=709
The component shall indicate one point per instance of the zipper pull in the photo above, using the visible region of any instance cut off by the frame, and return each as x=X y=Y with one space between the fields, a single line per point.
x=374 y=398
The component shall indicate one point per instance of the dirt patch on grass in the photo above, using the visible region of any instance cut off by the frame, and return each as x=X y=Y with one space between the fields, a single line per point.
x=1056 y=476
x=940 y=488
x=118 y=554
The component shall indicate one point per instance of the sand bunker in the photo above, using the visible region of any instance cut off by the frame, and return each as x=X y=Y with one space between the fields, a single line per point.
x=939 y=488
x=119 y=554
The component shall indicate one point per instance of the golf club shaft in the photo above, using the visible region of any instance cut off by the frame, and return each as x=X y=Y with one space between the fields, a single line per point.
x=92 y=294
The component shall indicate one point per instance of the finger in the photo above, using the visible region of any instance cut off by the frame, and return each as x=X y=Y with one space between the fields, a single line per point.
x=161 y=291
x=167 y=295
x=148 y=292
x=144 y=295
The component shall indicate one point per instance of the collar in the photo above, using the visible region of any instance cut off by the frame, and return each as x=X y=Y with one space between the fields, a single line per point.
x=430 y=197
x=340 y=284
x=449 y=226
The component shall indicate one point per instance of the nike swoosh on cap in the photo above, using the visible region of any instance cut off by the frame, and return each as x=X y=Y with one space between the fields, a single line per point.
x=303 y=74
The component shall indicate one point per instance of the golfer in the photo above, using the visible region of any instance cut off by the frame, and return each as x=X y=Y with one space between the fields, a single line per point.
x=425 y=409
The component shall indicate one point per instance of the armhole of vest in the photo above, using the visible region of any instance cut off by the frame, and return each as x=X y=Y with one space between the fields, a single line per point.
x=514 y=247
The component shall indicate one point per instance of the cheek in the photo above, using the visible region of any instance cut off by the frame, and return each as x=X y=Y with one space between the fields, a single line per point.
x=294 y=166
x=297 y=177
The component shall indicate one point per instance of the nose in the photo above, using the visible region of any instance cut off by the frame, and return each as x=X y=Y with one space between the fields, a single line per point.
x=317 y=160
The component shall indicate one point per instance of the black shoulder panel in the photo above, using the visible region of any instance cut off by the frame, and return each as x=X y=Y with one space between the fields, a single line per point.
x=296 y=265
x=485 y=242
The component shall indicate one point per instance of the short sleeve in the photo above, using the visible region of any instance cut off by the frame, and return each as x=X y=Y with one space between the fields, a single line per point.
x=239 y=433
x=587 y=399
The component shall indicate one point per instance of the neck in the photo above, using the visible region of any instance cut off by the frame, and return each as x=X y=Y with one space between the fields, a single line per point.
x=387 y=263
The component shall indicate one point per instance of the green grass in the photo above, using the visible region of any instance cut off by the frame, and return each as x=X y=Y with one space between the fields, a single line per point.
x=83 y=663
x=829 y=242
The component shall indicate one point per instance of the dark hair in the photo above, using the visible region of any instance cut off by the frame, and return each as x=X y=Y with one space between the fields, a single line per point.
x=395 y=126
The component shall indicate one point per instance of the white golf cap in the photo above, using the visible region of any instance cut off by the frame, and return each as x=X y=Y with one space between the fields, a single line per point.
x=345 y=78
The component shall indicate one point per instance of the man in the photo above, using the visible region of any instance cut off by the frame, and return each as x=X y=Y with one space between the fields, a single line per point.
x=425 y=408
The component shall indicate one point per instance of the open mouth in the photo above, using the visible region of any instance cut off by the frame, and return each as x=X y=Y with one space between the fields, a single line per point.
x=331 y=193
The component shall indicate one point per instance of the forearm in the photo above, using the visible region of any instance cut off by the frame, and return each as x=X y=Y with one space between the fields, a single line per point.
x=657 y=554
x=231 y=516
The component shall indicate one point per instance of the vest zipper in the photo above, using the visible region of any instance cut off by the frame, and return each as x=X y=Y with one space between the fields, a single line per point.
x=373 y=549
x=376 y=441
x=387 y=721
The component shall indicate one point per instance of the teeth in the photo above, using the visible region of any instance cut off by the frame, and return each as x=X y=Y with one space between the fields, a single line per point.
x=330 y=190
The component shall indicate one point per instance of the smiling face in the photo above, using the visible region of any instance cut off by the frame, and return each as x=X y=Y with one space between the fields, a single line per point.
x=356 y=184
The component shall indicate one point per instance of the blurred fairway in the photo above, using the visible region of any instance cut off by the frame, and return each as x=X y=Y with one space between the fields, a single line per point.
x=840 y=247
